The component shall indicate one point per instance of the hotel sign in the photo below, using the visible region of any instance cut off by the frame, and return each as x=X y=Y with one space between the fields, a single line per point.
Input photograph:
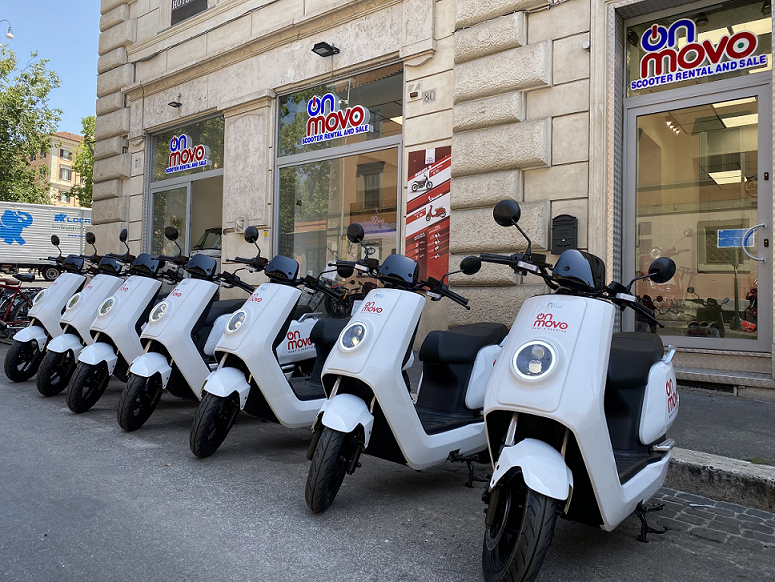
x=183 y=9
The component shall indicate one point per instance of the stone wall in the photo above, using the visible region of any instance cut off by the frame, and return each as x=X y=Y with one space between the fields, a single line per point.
x=520 y=131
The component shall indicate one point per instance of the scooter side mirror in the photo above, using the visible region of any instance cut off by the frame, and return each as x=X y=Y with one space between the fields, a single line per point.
x=90 y=238
x=251 y=234
x=355 y=233
x=55 y=240
x=662 y=270
x=123 y=235
x=345 y=271
x=470 y=265
x=506 y=213
x=726 y=300
x=689 y=232
x=690 y=290
x=171 y=233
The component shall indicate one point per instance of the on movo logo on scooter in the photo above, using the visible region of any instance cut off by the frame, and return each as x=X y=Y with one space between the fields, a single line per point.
x=323 y=126
x=370 y=307
x=296 y=342
x=546 y=321
x=665 y=63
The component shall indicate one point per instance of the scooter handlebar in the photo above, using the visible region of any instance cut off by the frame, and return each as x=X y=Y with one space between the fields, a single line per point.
x=643 y=310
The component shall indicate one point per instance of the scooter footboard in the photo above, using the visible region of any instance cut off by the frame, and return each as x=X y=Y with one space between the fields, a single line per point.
x=99 y=352
x=226 y=381
x=64 y=343
x=31 y=333
x=151 y=363
x=543 y=468
x=345 y=412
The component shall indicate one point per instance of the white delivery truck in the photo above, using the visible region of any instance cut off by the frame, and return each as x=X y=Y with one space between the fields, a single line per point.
x=25 y=235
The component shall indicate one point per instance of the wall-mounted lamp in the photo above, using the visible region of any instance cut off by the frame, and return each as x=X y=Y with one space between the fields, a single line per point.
x=766 y=9
x=701 y=19
x=324 y=49
x=176 y=103
x=8 y=34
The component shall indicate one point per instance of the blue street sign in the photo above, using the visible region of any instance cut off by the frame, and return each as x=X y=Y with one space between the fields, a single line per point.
x=733 y=238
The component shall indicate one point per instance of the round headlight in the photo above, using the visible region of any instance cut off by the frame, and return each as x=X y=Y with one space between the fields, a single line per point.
x=106 y=306
x=353 y=336
x=159 y=311
x=236 y=320
x=73 y=300
x=534 y=360
x=38 y=297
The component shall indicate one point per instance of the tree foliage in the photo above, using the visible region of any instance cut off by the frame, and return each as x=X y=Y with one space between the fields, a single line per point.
x=83 y=163
x=26 y=124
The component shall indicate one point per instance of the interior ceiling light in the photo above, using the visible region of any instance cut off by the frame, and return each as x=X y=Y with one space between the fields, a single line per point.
x=735 y=102
x=728 y=177
x=324 y=49
x=758 y=27
x=399 y=120
x=740 y=120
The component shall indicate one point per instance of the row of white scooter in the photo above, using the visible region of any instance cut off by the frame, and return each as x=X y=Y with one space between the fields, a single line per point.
x=571 y=417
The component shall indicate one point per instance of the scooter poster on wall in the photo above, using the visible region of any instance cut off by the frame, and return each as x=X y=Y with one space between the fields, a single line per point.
x=427 y=210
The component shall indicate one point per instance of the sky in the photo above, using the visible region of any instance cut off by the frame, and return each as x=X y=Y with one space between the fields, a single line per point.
x=66 y=33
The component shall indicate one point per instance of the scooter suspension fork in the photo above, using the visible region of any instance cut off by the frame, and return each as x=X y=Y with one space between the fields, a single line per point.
x=492 y=496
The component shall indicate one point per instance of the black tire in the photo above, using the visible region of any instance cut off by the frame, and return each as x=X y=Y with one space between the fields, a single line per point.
x=212 y=422
x=87 y=386
x=337 y=309
x=138 y=401
x=327 y=471
x=49 y=273
x=515 y=547
x=22 y=361
x=55 y=372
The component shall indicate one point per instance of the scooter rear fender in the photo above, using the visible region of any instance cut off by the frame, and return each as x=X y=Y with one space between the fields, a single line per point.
x=151 y=363
x=64 y=343
x=543 y=468
x=31 y=333
x=345 y=412
x=99 y=352
x=226 y=381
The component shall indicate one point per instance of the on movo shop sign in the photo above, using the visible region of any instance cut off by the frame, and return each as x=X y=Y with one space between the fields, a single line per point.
x=185 y=157
x=665 y=63
x=322 y=126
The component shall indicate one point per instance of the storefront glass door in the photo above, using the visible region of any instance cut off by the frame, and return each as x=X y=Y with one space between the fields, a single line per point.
x=170 y=207
x=699 y=167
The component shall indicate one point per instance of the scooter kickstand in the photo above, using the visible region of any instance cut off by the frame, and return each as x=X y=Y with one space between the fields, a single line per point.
x=641 y=510
x=473 y=476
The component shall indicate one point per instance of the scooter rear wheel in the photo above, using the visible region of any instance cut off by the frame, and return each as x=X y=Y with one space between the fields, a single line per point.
x=22 y=361
x=515 y=546
x=55 y=372
x=138 y=400
x=327 y=471
x=87 y=386
x=212 y=422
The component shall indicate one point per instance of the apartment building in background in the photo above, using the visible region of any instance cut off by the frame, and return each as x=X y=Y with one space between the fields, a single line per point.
x=56 y=167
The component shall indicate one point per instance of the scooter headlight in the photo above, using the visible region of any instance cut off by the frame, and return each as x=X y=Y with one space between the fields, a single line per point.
x=236 y=320
x=38 y=297
x=352 y=336
x=106 y=306
x=534 y=360
x=73 y=301
x=158 y=312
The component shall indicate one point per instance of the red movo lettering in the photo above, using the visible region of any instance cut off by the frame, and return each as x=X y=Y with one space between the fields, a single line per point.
x=370 y=307
x=546 y=321
x=672 y=396
x=123 y=288
x=255 y=299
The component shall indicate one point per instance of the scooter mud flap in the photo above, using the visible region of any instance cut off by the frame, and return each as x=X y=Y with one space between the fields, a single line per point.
x=64 y=343
x=151 y=363
x=543 y=468
x=225 y=382
x=30 y=333
x=344 y=412
x=99 y=352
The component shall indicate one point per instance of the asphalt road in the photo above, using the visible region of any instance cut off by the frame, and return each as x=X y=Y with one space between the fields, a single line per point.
x=81 y=500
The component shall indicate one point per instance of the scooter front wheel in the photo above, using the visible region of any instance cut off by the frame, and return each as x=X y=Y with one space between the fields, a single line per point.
x=22 y=361
x=327 y=471
x=55 y=372
x=138 y=401
x=515 y=545
x=87 y=386
x=212 y=422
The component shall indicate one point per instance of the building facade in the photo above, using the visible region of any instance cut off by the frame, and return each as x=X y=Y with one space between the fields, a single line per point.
x=55 y=167
x=631 y=129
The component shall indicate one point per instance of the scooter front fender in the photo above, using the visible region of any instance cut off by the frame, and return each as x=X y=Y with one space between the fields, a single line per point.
x=151 y=363
x=31 y=333
x=345 y=412
x=97 y=353
x=543 y=468
x=226 y=381
x=64 y=343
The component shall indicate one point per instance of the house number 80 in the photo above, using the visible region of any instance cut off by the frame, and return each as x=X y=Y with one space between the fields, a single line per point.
x=429 y=96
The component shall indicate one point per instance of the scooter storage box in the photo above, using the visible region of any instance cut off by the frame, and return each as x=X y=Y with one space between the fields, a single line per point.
x=660 y=403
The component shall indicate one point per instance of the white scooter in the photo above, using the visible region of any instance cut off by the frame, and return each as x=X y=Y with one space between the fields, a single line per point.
x=62 y=352
x=369 y=408
x=576 y=414
x=265 y=356
x=23 y=358
x=116 y=330
x=178 y=341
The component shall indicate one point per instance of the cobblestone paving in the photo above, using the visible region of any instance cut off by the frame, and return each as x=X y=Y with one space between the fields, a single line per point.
x=717 y=521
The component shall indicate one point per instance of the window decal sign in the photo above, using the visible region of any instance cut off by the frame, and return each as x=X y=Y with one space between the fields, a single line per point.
x=327 y=121
x=666 y=61
x=184 y=156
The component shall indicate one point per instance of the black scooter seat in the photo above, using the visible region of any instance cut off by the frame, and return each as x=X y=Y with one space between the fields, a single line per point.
x=326 y=331
x=632 y=355
x=220 y=308
x=24 y=277
x=435 y=422
x=460 y=344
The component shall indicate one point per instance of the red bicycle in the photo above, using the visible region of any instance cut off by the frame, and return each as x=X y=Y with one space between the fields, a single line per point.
x=15 y=302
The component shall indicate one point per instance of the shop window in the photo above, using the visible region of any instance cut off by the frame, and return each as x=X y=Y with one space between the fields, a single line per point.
x=189 y=150
x=65 y=174
x=707 y=44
